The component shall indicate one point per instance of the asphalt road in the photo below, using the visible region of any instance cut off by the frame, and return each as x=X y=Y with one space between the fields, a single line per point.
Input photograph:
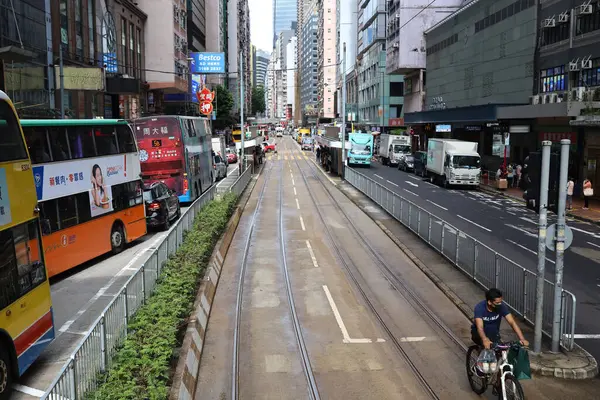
x=78 y=298
x=506 y=226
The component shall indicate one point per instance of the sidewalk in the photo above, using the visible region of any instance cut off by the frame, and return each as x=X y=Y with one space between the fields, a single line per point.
x=591 y=215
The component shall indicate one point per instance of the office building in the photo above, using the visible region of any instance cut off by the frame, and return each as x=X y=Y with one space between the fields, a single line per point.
x=326 y=64
x=238 y=34
x=262 y=61
x=347 y=26
x=307 y=63
x=284 y=17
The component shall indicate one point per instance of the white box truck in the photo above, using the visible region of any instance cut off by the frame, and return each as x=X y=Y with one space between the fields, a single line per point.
x=453 y=162
x=219 y=147
x=393 y=147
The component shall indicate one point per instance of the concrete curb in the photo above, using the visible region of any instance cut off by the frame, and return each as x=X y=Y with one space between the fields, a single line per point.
x=188 y=366
x=488 y=189
x=544 y=366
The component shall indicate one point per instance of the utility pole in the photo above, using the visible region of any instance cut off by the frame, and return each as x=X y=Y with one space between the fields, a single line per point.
x=541 y=267
x=62 y=81
x=565 y=144
x=243 y=161
x=343 y=128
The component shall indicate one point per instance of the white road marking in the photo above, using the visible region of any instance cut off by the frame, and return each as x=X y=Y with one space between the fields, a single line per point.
x=471 y=222
x=229 y=173
x=583 y=231
x=102 y=290
x=293 y=183
x=302 y=224
x=380 y=177
x=412 y=184
x=340 y=322
x=521 y=230
x=413 y=339
x=415 y=178
x=586 y=336
x=413 y=193
x=392 y=183
x=28 y=390
x=297 y=204
x=312 y=254
x=437 y=205
x=529 y=220
x=529 y=250
x=295 y=194
x=593 y=244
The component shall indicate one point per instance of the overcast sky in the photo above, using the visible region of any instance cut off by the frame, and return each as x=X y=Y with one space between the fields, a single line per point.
x=261 y=24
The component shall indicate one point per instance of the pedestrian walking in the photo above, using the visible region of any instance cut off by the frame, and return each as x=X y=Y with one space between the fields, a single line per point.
x=570 y=187
x=588 y=192
x=518 y=172
x=510 y=175
x=318 y=153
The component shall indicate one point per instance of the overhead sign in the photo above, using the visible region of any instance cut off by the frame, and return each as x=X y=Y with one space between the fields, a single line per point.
x=207 y=63
x=443 y=128
x=551 y=237
x=396 y=122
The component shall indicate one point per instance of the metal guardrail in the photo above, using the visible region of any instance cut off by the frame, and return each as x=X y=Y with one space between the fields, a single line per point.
x=485 y=266
x=95 y=352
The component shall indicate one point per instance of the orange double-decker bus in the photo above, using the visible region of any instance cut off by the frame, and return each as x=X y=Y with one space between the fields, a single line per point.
x=26 y=322
x=87 y=178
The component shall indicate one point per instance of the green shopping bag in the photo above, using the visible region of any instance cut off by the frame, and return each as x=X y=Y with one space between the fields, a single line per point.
x=519 y=359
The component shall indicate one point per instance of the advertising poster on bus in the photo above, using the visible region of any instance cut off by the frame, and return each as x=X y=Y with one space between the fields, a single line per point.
x=93 y=175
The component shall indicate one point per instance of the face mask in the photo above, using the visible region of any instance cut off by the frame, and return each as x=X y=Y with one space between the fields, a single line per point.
x=495 y=307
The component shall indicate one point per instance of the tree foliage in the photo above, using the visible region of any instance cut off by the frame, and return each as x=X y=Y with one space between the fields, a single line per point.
x=224 y=104
x=258 y=100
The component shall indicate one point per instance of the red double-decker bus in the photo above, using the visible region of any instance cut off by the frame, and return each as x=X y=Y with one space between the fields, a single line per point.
x=177 y=151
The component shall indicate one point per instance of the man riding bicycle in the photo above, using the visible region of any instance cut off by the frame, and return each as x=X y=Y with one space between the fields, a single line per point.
x=488 y=316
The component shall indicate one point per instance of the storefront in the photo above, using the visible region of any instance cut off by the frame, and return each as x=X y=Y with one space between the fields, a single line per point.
x=124 y=98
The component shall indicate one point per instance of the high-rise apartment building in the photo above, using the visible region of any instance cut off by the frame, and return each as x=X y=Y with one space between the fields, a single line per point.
x=196 y=24
x=282 y=71
x=301 y=11
x=307 y=63
x=284 y=16
x=290 y=64
x=262 y=61
x=327 y=57
x=216 y=34
x=347 y=27
x=252 y=65
x=238 y=30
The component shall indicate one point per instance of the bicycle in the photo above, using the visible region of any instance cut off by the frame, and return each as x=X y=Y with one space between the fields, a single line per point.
x=501 y=379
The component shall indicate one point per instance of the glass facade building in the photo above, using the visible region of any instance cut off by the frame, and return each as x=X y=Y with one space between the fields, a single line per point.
x=284 y=17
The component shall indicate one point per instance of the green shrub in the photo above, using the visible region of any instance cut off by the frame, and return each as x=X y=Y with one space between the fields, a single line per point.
x=142 y=366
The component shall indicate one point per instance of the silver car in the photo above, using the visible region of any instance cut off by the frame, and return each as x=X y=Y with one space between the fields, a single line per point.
x=220 y=167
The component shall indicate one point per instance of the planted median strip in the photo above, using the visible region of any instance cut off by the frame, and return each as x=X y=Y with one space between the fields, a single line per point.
x=142 y=368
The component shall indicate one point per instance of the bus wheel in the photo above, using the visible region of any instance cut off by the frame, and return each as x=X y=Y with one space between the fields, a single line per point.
x=117 y=239
x=5 y=375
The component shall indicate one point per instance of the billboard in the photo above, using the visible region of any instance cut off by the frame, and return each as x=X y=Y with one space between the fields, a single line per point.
x=207 y=63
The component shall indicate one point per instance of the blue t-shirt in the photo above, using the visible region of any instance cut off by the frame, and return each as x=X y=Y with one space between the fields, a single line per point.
x=491 y=319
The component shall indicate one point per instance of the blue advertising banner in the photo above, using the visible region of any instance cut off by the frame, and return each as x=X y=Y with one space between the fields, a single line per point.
x=207 y=63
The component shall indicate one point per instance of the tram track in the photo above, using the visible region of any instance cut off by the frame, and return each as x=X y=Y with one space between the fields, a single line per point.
x=312 y=389
x=398 y=283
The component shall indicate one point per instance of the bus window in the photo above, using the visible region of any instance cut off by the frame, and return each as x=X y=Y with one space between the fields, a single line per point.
x=67 y=212
x=84 y=211
x=12 y=147
x=125 y=139
x=106 y=141
x=9 y=280
x=49 y=216
x=37 y=142
x=58 y=141
x=81 y=142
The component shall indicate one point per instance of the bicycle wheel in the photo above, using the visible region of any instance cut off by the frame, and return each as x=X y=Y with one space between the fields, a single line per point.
x=478 y=383
x=514 y=390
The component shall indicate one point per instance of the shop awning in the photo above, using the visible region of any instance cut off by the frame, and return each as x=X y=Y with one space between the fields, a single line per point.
x=16 y=54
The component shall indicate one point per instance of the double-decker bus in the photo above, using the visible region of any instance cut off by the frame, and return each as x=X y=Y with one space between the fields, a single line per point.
x=87 y=177
x=177 y=151
x=26 y=322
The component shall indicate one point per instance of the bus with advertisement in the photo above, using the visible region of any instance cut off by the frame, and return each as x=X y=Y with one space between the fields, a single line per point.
x=87 y=178
x=176 y=150
x=26 y=319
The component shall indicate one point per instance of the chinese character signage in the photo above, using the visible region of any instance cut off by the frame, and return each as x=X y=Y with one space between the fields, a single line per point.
x=207 y=63
x=205 y=98
x=396 y=122
x=5 y=217
x=94 y=176
x=556 y=137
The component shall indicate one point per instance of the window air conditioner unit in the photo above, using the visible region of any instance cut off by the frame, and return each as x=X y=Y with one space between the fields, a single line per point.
x=398 y=15
x=585 y=9
x=534 y=100
x=586 y=64
x=573 y=66
x=546 y=99
x=564 y=17
x=553 y=98
x=549 y=23
x=396 y=45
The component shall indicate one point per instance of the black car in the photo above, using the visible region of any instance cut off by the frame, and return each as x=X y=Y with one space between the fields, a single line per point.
x=406 y=163
x=162 y=205
x=420 y=163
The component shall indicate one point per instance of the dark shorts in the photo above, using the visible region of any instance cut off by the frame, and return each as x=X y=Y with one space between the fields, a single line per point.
x=477 y=339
